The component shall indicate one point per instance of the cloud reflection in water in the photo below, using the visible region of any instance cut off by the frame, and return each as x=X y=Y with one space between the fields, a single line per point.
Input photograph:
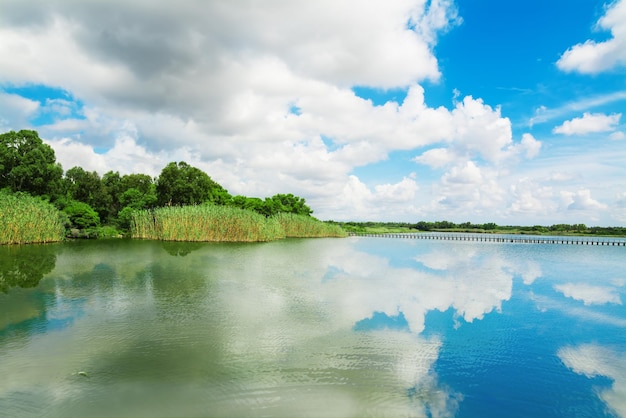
x=593 y=360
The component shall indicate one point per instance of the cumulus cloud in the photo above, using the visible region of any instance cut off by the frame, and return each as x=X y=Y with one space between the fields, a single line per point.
x=16 y=111
x=529 y=197
x=594 y=360
x=592 y=57
x=466 y=174
x=468 y=186
x=589 y=123
x=581 y=200
x=436 y=157
x=590 y=295
x=480 y=129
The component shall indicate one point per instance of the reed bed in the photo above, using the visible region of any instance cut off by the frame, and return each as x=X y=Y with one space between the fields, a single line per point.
x=224 y=223
x=301 y=226
x=25 y=219
x=204 y=223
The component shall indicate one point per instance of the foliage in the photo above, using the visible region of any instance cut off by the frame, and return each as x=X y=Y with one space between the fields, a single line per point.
x=81 y=215
x=286 y=203
x=26 y=219
x=249 y=203
x=28 y=165
x=182 y=184
x=271 y=206
x=87 y=187
x=128 y=193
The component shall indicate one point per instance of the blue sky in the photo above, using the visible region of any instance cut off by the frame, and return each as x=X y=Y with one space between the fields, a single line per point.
x=482 y=111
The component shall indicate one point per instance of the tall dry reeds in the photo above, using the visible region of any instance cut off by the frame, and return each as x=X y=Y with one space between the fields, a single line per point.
x=301 y=226
x=224 y=223
x=204 y=223
x=25 y=219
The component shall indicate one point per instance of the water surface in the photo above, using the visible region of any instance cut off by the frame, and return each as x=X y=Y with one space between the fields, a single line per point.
x=318 y=327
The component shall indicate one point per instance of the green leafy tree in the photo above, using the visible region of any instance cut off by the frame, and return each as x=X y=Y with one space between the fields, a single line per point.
x=112 y=183
x=182 y=184
x=489 y=226
x=87 y=187
x=142 y=182
x=28 y=165
x=82 y=216
x=132 y=200
x=248 y=203
x=128 y=193
x=285 y=203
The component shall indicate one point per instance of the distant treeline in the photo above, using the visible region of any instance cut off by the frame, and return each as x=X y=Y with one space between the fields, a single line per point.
x=486 y=227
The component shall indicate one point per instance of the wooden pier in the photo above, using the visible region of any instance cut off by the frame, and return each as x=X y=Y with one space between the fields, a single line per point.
x=502 y=238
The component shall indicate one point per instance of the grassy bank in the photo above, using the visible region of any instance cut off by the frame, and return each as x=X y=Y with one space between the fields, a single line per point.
x=25 y=219
x=223 y=224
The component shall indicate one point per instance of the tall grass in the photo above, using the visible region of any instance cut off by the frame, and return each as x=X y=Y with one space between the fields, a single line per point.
x=300 y=226
x=224 y=223
x=204 y=223
x=25 y=219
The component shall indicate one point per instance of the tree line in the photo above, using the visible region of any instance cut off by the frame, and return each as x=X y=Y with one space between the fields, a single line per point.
x=484 y=227
x=28 y=165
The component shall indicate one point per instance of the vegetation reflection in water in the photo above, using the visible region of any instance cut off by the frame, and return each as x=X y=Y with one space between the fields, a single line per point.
x=323 y=327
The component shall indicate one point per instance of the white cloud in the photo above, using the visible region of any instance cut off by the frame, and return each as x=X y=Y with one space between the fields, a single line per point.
x=437 y=157
x=373 y=203
x=594 y=360
x=530 y=146
x=529 y=197
x=480 y=129
x=593 y=57
x=544 y=114
x=581 y=200
x=590 y=295
x=16 y=111
x=466 y=174
x=588 y=123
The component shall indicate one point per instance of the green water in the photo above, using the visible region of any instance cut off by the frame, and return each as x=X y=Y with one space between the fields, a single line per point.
x=179 y=329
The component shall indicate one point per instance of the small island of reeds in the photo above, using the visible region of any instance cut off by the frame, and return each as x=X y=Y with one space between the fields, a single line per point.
x=225 y=224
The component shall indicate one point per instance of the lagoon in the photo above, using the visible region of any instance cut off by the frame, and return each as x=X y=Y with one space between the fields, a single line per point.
x=312 y=327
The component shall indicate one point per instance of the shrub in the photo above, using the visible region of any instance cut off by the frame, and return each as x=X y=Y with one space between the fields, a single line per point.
x=82 y=216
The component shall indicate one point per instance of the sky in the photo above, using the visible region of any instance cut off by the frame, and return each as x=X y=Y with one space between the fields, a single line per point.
x=406 y=110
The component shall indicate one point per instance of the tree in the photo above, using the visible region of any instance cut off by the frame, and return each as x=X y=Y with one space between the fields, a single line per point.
x=287 y=203
x=141 y=182
x=82 y=216
x=182 y=184
x=112 y=183
x=248 y=203
x=87 y=187
x=28 y=165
